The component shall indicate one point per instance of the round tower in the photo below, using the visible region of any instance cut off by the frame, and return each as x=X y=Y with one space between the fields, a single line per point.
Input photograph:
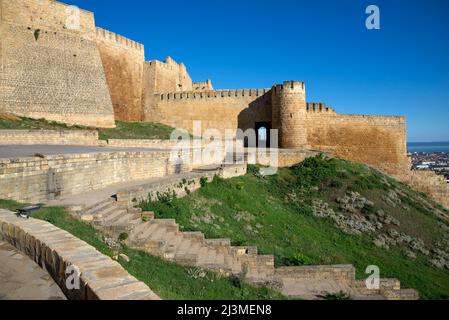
x=289 y=114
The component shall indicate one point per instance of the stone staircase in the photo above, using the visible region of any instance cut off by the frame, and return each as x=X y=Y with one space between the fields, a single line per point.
x=163 y=238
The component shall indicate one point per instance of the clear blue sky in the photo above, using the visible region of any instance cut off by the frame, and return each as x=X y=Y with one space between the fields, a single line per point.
x=402 y=69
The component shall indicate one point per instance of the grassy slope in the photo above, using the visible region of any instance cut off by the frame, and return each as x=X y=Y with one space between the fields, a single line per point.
x=123 y=130
x=274 y=214
x=168 y=280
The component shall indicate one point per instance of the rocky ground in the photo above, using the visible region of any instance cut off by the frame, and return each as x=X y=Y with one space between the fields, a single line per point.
x=356 y=215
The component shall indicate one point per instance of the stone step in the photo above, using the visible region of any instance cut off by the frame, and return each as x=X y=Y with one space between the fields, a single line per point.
x=218 y=242
x=172 y=244
x=193 y=248
x=94 y=209
x=198 y=236
x=139 y=228
x=187 y=259
x=113 y=216
x=166 y=222
x=206 y=256
x=101 y=214
x=124 y=220
x=99 y=203
x=146 y=232
x=190 y=246
x=134 y=210
x=147 y=215
x=159 y=234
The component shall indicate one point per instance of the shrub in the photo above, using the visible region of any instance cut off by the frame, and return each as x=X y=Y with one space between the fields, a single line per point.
x=315 y=171
x=203 y=182
x=298 y=259
x=123 y=236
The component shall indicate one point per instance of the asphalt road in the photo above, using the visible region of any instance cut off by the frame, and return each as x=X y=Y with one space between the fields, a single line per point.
x=15 y=151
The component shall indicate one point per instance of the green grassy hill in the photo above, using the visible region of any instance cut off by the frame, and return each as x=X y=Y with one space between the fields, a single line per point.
x=325 y=211
x=123 y=130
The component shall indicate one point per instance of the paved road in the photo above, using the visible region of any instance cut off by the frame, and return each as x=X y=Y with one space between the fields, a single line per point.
x=22 y=279
x=12 y=151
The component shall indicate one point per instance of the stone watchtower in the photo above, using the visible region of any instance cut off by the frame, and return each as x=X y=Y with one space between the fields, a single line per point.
x=289 y=114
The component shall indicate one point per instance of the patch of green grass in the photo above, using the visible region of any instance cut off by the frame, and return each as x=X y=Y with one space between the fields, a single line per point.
x=168 y=280
x=123 y=130
x=10 y=205
x=136 y=130
x=274 y=213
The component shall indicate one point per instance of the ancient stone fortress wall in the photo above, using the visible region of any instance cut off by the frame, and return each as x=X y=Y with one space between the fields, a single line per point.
x=50 y=137
x=55 y=250
x=49 y=70
x=319 y=107
x=289 y=114
x=375 y=140
x=37 y=180
x=220 y=109
x=167 y=76
x=203 y=86
x=123 y=65
x=430 y=183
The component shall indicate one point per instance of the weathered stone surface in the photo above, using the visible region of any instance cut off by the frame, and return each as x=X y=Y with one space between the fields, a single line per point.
x=57 y=75
x=57 y=249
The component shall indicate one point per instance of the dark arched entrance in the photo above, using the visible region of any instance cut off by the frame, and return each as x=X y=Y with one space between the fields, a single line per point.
x=263 y=134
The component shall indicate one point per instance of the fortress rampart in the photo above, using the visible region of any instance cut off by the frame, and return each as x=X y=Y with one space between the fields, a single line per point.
x=49 y=70
x=90 y=76
x=203 y=86
x=289 y=114
x=377 y=140
x=123 y=66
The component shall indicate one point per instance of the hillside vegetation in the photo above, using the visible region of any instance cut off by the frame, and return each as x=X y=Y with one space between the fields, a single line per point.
x=123 y=130
x=168 y=280
x=324 y=211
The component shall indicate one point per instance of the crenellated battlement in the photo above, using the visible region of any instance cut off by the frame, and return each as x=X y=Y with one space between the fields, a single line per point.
x=289 y=87
x=214 y=94
x=109 y=36
x=168 y=64
x=203 y=85
x=319 y=107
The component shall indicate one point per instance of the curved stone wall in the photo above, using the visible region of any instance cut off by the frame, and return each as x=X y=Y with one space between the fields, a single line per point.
x=55 y=250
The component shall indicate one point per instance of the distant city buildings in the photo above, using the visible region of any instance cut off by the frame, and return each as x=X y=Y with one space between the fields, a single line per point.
x=435 y=161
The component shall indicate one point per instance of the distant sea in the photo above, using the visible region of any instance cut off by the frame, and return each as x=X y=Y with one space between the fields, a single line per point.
x=428 y=147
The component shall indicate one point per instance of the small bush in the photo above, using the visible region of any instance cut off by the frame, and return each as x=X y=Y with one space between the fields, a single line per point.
x=203 y=182
x=315 y=171
x=123 y=236
x=298 y=259
x=336 y=184
x=253 y=169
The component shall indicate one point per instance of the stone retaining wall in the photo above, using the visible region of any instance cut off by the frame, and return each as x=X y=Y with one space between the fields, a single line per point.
x=54 y=177
x=344 y=273
x=181 y=186
x=50 y=137
x=56 y=250
x=428 y=182
x=142 y=143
